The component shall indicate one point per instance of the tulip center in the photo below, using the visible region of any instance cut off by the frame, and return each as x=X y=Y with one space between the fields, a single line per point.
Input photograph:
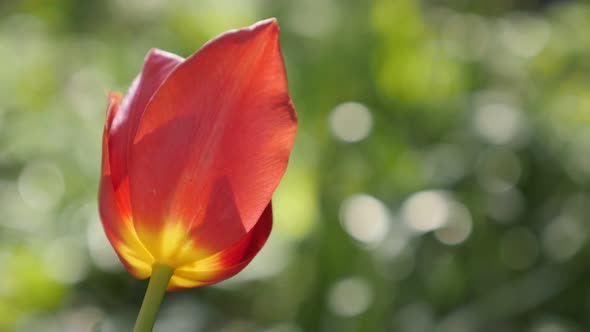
x=172 y=245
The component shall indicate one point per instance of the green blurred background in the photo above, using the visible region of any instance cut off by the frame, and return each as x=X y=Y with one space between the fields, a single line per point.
x=439 y=180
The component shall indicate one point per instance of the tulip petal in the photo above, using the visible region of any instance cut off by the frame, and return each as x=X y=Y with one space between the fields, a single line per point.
x=227 y=262
x=115 y=211
x=176 y=244
x=157 y=66
x=223 y=112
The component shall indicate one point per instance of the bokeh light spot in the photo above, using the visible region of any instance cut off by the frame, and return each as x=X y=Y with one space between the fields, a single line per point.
x=66 y=261
x=41 y=184
x=426 y=210
x=350 y=297
x=457 y=228
x=465 y=36
x=82 y=319
x=181 y=314
x=563 y=237
x=365 y=218
x=498 y=123
x=313 y=18
x=351 y=122
x=524 y=35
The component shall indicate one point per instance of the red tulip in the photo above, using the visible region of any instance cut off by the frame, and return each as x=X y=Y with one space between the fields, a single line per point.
x=193 y=154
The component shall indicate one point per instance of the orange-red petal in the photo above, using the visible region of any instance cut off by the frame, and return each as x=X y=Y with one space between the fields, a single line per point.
x=157 y=66
x=213 y=143
x=227 y=262
x=115 y=215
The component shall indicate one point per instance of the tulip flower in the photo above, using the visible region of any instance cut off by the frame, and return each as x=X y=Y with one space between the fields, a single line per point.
x=191 y=157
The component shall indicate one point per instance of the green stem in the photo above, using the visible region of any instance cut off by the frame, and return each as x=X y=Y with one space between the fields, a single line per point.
x=154 y=295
